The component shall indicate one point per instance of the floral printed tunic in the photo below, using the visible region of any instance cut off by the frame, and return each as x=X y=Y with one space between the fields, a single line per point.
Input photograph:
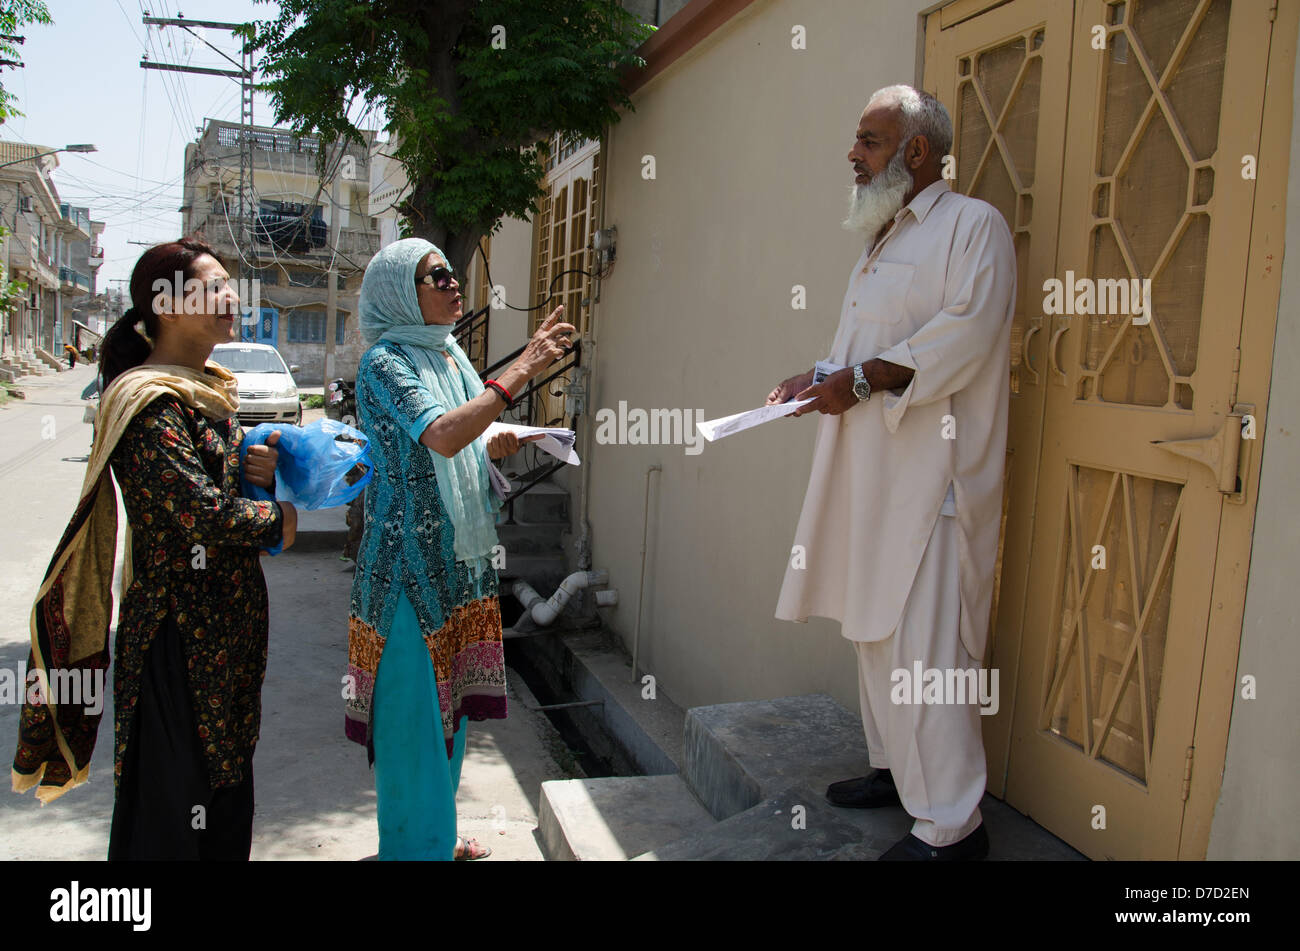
x=408 y=546
x=195 y=544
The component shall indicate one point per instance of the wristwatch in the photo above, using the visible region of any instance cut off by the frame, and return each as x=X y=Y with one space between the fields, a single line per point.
x=861 y=388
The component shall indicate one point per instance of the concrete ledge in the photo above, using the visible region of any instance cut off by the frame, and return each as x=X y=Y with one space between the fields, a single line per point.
x=752 y=758
x=544 y=504
x=50 y=360
x=773 y=831
x=322 y=530
x=591 y=665
x=615 y=818
x=794 y=825
x=737 y=754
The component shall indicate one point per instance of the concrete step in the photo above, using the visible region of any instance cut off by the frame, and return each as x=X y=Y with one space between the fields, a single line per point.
x=544 y=503
x=321 y=530
x=796 y=825
x=50 y=360
x=738 y=754
x=543 y=571
x=745 y=761
x=532 y=539
x=616 y=818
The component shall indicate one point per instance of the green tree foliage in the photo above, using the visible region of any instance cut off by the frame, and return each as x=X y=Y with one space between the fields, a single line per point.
x=15 y=14
x=472 y=90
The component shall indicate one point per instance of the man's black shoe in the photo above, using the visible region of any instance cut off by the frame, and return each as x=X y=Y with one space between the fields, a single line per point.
x=872 y=791
x=911 y=849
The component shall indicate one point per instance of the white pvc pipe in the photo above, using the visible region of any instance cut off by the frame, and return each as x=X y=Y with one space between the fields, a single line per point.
x=545 y=611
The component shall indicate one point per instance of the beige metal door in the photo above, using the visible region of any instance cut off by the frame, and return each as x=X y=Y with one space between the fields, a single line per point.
x=1004 y=77
x=1142 y=440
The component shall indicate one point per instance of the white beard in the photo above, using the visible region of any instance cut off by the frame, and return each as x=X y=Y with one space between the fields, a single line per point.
x=875 y=203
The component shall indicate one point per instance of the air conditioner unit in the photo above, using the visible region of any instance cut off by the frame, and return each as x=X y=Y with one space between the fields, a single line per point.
x=25 y=203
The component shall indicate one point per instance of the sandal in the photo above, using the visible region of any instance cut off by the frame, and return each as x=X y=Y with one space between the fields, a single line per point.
x=467 y=850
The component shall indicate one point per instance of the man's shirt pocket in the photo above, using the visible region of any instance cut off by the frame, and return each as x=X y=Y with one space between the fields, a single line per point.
x=883 y=295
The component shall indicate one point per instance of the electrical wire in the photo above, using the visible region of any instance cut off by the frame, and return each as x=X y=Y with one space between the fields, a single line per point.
x=550 y=290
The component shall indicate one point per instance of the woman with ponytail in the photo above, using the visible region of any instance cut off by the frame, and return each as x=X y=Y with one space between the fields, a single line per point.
x=190 y=650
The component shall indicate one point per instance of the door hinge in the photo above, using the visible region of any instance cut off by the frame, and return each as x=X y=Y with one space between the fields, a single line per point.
x=1187 y=773
x=1236 y=376
x=1221 y=452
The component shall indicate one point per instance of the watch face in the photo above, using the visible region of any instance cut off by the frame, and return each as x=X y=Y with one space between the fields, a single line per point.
x=862 y=390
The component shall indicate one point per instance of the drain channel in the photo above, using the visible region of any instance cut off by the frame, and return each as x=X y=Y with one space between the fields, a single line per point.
x=575 y=720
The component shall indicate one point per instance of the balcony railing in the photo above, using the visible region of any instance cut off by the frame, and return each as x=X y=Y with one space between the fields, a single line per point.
x=78 y=218
x=532 y=402
x=357 y=245
x=74 y=277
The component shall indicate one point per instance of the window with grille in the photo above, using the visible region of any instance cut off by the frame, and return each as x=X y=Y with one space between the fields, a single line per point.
x=307 y=326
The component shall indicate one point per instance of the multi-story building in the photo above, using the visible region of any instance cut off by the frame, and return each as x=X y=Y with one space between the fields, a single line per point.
x=297 y=227
x=78 y=261
x=49 y=247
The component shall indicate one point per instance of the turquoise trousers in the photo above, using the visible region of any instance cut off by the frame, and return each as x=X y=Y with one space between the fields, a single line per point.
x=415 y=782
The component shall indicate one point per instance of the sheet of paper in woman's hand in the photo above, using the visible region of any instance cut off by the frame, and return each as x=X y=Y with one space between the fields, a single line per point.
x=558 y=442
x=714 y=429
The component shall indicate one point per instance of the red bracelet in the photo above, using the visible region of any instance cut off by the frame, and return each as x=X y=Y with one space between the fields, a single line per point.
x=501 y=391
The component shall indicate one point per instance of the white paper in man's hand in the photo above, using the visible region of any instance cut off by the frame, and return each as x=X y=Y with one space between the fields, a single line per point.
x=715 y=429
x=558 y=442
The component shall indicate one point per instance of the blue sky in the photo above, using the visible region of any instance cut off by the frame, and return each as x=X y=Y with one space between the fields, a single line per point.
x=82 y=82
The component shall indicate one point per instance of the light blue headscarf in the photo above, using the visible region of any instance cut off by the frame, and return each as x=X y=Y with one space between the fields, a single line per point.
x=389 y=310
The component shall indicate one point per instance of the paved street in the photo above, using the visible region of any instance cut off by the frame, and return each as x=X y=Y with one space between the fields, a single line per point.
x=315 y=793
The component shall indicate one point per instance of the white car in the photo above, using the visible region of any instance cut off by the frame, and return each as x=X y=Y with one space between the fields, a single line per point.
x=267 y=391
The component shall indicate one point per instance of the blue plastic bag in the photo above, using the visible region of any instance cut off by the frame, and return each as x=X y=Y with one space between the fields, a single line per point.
x=322 y=464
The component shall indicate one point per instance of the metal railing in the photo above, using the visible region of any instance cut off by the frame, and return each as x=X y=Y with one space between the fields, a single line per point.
x=471 y=332
x=72 y=276
x=530 y=401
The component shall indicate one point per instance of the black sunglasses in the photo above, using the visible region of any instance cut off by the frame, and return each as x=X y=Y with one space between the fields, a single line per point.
x=439 y=277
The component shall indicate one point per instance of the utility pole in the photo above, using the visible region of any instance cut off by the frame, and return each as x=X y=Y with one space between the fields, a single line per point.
x=332 y=276
x=245 y=76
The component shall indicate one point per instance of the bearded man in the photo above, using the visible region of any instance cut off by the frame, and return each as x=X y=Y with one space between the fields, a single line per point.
x=900 y=522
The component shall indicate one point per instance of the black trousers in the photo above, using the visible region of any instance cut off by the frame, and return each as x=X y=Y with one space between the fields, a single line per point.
x=165 y=808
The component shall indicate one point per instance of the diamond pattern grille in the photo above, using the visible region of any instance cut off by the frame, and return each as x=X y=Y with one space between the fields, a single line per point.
x=1157 y=135
x=1104 y=685
x=996 y=141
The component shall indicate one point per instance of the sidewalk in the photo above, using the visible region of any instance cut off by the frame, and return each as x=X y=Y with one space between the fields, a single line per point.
x=315 y=792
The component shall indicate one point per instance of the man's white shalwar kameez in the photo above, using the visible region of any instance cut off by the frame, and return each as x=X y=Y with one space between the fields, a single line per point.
x=906 y=582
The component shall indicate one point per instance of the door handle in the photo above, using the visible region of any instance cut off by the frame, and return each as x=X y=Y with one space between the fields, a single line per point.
x=1035 y=325
x=1053 y=365
x=1220 y=452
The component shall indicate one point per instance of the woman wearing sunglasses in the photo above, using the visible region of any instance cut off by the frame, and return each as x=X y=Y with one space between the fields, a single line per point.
x=424 y=631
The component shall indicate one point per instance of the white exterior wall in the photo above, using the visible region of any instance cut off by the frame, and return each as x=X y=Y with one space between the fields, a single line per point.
x=750 y=139
x=512 y=270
